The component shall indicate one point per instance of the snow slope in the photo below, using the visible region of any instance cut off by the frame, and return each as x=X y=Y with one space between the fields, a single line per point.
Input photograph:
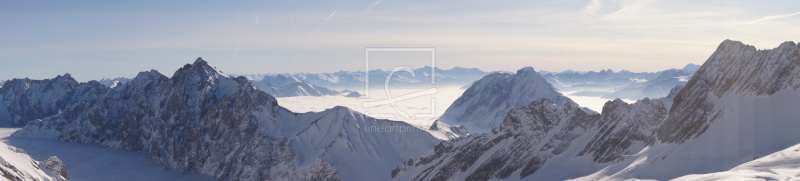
x=16 y=164
x=359 y=147
x=781 y=165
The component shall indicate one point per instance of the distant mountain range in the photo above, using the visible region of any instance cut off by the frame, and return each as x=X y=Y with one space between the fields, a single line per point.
x=606 y=83
x=355 y=80
x=623 y=84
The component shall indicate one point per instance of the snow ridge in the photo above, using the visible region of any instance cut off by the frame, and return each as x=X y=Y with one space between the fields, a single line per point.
x=15 y=164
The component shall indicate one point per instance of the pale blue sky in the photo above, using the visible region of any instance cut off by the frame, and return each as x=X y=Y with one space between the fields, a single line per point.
x=95 y=39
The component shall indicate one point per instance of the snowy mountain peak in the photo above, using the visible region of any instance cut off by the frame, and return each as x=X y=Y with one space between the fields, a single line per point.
x=787 y=44
x=483 y=105
x=526 y=69
x=733 y=45
x=200 y=62
x=201 y=68
x=66 y=77
x=149 y=75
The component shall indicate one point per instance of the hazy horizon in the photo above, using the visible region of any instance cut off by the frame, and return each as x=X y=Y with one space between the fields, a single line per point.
x=169 y=73
x=96 y=39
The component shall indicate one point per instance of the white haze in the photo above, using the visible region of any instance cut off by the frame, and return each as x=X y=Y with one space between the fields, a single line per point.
x=419 y=105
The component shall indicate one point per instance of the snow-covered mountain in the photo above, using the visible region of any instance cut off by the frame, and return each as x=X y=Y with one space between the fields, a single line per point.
x=15 y=164
x=355 y=80
x=359 y=147
x=283 y=86
x=484 y=104
x=276 y=85
x=538 y=139
x=203 y=121
x=739 y=106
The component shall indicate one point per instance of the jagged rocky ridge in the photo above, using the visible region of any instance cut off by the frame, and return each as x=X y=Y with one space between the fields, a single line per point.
x=23 y=100
x=739 y=106
x=533 y=135
x=201 y=120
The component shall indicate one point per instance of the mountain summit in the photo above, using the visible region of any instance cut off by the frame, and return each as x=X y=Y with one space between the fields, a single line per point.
x=483 y=105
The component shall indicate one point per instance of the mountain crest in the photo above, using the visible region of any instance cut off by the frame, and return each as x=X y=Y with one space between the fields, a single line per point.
x=484 y=105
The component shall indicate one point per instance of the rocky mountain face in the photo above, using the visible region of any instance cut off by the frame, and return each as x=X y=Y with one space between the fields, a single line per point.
x=23 y=100
x=739 y=106
x=201 y=120
x=483 y=105
x=283 y=86
x=541 y=135
x=16 y=165
x=735 y=69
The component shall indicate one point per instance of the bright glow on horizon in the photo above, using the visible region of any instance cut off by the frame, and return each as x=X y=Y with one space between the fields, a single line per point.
x=97 y=39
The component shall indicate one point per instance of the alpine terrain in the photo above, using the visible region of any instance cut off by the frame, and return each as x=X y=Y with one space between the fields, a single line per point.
x=200 y=120
x=738 y=107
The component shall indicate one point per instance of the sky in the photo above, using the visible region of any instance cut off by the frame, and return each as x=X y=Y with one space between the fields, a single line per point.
x=97 y=39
